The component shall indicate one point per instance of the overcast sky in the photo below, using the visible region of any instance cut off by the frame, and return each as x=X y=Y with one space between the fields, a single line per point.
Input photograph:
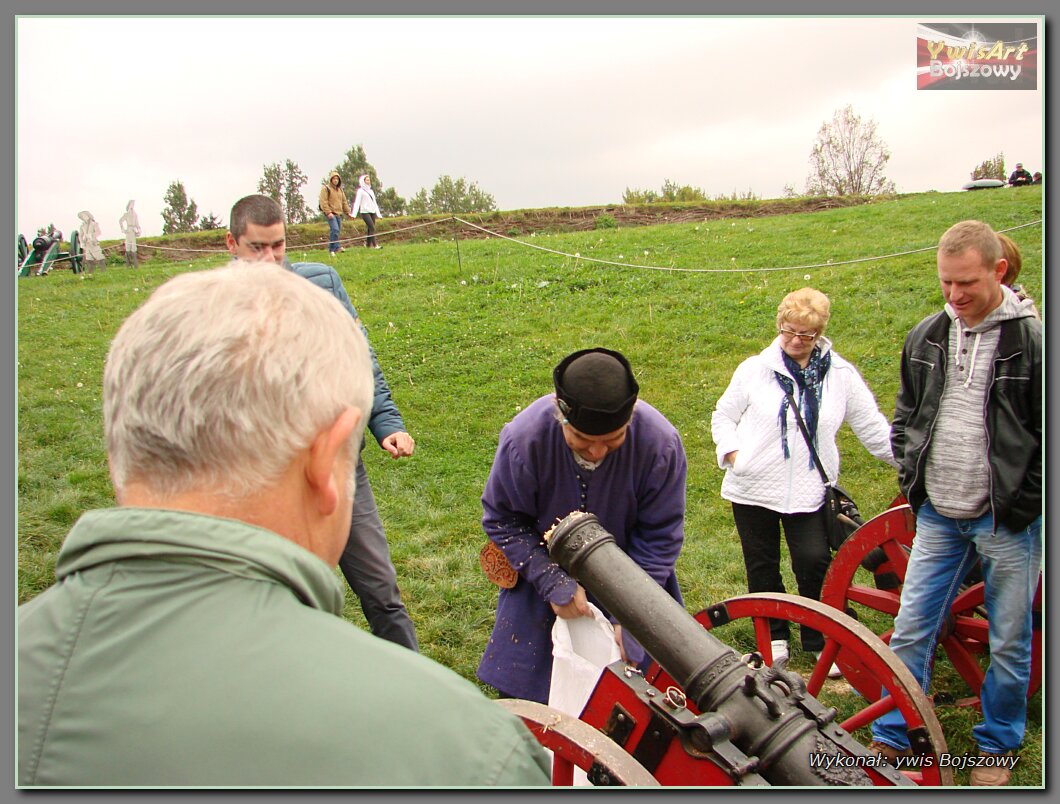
x=539 y=111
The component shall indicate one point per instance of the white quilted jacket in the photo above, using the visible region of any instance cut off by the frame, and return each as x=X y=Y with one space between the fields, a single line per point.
x=747 y=419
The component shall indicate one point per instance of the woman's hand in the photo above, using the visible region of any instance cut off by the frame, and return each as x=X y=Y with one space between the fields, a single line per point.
x=730 y=457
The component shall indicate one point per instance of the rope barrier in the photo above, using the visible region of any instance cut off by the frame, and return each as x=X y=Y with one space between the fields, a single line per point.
x=829 y=264
x=578 y=256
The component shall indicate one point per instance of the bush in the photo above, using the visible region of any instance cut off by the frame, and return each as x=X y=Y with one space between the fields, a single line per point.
x=606 y=222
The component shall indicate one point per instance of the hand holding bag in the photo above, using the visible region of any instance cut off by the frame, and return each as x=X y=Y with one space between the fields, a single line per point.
x=581 y=648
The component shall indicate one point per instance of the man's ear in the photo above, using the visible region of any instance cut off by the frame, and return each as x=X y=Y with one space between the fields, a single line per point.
x=326 y=454
x=230 y=242
x=1001 y=268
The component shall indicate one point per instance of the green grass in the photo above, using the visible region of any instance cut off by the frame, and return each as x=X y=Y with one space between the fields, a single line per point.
x=468 y=333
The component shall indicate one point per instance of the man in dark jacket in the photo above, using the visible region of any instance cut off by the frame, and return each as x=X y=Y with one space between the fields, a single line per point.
x=967 y=435
x=257 y=233
x=1020 y=176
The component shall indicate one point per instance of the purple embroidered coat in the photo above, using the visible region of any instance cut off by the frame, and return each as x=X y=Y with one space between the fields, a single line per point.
x=637 y=492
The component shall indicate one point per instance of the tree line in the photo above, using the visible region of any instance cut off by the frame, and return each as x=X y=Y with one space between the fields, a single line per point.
x=283 y=182
x=848 y=157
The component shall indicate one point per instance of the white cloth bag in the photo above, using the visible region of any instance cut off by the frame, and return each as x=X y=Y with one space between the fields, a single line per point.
x=581 y=648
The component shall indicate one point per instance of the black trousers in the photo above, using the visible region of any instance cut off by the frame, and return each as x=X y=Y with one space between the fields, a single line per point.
x=369 y=221
x=759 y=530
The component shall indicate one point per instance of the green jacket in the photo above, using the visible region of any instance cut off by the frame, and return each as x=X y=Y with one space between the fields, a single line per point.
x=180 y=649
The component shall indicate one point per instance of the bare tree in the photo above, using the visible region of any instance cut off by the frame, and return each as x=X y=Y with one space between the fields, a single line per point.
x=848 y=158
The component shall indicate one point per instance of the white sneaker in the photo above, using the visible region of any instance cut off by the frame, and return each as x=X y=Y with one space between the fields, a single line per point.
x=833 y=671
x=780 y=651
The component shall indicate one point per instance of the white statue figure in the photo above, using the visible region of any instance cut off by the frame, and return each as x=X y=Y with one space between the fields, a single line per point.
x=88 y=235
x=130 y=225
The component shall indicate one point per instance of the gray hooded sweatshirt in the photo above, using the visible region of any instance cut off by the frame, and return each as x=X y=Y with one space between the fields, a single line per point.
x=958 y=474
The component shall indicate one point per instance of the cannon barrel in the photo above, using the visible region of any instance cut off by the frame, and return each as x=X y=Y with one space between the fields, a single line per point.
x=763 y=721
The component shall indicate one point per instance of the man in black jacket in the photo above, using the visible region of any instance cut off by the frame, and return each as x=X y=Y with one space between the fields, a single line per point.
x=1020 y=176
x=967 y=437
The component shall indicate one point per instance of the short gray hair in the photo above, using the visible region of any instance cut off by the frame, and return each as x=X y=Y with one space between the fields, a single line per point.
x=222 y=376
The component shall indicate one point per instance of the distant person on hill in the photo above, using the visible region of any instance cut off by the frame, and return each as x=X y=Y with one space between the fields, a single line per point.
x=130 y=226
x=257 y=232
x=333 y=203
x=194 y=637
x=771 y=478
x=365 y=203
x=1020 y=176
x=1011 y=252
x=88 y=236
x=1037 y=179
x=592 y=446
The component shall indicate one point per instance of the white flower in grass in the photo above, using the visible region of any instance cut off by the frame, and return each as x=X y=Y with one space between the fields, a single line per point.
x=463 y=281
x=806 y=277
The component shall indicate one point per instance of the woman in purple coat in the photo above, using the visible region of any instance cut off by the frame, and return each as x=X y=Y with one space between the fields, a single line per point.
x=590 y=447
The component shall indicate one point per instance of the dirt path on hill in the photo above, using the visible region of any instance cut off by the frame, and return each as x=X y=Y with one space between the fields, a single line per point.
x=515 y=223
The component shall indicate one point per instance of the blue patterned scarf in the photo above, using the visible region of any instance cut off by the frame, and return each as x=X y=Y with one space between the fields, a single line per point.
x=811 y=382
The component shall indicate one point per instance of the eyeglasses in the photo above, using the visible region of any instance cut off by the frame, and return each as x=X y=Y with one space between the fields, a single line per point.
x=805 y=337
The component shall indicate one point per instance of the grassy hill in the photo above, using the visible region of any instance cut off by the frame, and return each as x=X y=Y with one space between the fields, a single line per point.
x=467 y=332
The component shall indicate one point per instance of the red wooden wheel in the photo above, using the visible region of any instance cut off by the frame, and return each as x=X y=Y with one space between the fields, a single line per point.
x=890 y=534
x=867 y=664
x=577 y=744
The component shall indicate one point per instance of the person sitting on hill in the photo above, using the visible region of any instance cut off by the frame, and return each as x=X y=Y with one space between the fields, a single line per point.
x=1020 y=176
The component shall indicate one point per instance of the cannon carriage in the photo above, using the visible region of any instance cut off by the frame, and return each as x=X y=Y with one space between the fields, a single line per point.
x=703 y=715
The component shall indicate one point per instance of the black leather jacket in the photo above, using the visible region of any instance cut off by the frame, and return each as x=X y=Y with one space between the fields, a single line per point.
x=1013 y=415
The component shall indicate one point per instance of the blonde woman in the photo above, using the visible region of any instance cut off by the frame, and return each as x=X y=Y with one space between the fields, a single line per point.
x=770 y=476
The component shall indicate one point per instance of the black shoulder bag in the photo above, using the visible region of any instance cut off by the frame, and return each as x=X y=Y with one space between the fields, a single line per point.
x=841 y=513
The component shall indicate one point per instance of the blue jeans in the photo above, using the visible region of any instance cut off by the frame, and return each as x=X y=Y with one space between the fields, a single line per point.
x=943 y=551
x=334 y=225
